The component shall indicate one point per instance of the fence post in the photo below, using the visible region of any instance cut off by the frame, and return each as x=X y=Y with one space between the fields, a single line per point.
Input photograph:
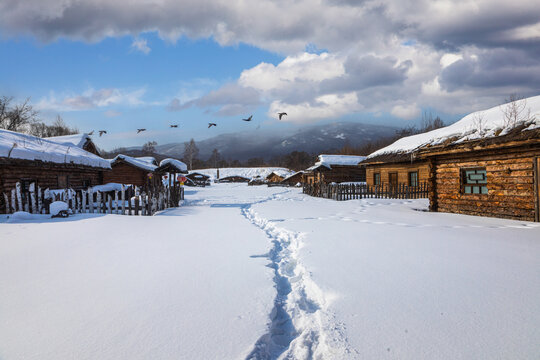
x=123 y=200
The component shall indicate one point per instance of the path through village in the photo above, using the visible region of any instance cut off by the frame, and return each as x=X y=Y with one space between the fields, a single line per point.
x=244 y=272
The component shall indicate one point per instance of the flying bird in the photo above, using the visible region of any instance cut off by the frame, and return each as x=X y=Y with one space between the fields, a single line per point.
x=249 y=118
x=91 y=132
x=211 y=124
x=101 y=132
x=140 y=130
x=174 y=126
x=281 y=114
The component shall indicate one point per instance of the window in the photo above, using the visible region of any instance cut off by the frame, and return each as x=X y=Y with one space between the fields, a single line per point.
x=413 y=178
x=87 y=183
x=474 y=181
x=377 y=179
x=63 y=181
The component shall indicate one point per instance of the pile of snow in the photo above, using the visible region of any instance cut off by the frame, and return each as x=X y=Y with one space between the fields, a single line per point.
x=144 y=162
x=21 y=216
x=108 y=187
x=477 y=125
x=15 y=145
x=248 y=173
x=329 y=160
x=57 y=206
x=176 y=163
x=77 y=140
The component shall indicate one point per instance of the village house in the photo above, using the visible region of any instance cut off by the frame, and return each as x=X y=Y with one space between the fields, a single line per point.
x=138 y=171
x=234 y=179
x=82 y=141
x=197 y=179
x=336 y=169
x=393 y=169
x=28 y=160
x=485 y=164
x=277 y=176
x=293 y=179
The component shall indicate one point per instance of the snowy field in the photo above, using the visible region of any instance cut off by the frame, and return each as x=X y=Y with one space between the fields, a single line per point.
x=244 y=272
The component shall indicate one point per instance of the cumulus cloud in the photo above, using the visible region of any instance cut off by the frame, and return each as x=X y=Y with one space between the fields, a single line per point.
x=91 y=99
x=141 y=45
x=407 y=111
x=388 y=53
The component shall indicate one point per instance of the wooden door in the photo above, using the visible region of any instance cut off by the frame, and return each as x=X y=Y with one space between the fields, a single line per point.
x=537 y=189
x=393 y=179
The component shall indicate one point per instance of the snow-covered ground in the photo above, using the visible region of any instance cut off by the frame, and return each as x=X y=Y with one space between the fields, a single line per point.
x=248 y=173
x=255 y=273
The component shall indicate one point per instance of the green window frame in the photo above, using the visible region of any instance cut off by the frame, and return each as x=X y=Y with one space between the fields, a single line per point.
x=474 y=181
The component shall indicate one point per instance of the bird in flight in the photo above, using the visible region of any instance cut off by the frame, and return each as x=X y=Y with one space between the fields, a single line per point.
x=140 y=130
x=174 y=126
x=211 y=124
x=91 y=132
x=249 y=118
x=101 y=132
x=281 y=114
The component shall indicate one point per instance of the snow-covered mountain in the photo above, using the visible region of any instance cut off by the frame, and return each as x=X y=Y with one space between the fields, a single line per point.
x=313 y=139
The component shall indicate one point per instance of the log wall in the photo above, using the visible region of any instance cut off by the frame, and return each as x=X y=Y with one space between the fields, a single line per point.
x=124 y=173
x=510 y=182
x=402 y=169
x=338 y=174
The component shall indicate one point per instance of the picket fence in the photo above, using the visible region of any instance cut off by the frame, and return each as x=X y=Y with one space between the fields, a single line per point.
x=342 y=192
x=130 y=200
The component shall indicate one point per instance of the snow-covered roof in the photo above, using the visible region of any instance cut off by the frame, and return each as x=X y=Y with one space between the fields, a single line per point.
x=22 y=146
x=77 y=140
x=282 y=173
x=293 y=174
x=477 y=125
x=175 y=163
x=329 y=160
x=248 y=173
x=144 y=162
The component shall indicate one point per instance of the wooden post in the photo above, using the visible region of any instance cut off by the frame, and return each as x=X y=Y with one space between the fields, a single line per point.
x=110 y=204
x=136 y=205
x=98 y=201
x=19 y=196
x=123 y=199
x=115 y=202
x=90 y=200
x=33 y=197
x=103 y=204
x=129 y=205
x=6 y=202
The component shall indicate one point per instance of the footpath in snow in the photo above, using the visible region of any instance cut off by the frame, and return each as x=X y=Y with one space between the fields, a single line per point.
x=265 y=273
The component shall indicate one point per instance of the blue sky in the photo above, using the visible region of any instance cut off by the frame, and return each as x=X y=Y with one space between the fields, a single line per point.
x=132 y=64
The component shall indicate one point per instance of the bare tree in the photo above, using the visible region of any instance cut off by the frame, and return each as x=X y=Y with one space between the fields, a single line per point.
x=214 y=158
x=149 y=148
x=190 y=152
x=479 y=122
x=58 y=128
x=515 y=111
x=16 y=117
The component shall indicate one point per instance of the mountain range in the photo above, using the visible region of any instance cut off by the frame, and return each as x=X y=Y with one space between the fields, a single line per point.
x=312 y=139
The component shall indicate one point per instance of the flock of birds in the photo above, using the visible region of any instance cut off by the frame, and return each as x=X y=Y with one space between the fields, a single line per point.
x=250 y=118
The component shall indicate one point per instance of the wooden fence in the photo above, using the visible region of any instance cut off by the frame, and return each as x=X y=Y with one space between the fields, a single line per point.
x=130 y=200
x=358 y=191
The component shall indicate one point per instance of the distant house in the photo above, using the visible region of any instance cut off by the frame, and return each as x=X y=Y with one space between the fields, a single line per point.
x=82 y=141
x=137 y=171
x=198 y=179
x=393 y=169
x=28 y=160
x=336 y=169
x=234 y=179
x=294 y=179
x=277 y=176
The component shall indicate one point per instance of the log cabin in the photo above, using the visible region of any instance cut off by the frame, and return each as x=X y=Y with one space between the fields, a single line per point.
x=395 y=169
x=27 y=159
x=294 y=179
x=138 y=171
x=485 y=164
x=234 y=179
x=82 y=141
x=277 y=176
x=336 y=169
x=198 y=179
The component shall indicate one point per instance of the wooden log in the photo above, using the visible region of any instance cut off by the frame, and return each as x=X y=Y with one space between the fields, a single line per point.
x=33 y=199
x=83 y=202
x=19 y=196
x=6 y=203
x=129 y=205
x=136 y=209
x=110 y=204
x=91 y=200
x=98 y=201
x=123 y=199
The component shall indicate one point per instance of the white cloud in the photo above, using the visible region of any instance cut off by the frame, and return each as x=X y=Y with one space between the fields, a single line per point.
x=407 y=111
x=140 y=45
x=91 y=99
